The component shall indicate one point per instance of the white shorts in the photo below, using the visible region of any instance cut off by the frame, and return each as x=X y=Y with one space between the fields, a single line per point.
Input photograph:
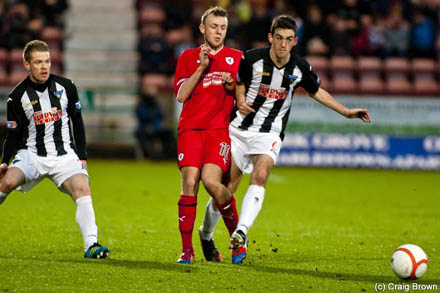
x=246 y=143
x=36 y=168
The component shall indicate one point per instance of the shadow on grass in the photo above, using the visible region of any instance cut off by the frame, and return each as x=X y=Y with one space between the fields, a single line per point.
x=129 y=264
x=337 y=276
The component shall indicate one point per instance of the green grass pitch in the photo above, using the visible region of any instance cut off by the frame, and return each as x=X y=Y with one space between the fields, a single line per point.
x=319 y=230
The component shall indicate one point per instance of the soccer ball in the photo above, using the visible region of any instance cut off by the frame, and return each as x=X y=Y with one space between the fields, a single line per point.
x=409 y=262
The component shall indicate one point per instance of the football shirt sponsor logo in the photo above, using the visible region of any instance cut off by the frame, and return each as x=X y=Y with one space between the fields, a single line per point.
x=268 y=92
x=214 y=78
x=32 y=103
x=263 y=73
x=46 y=117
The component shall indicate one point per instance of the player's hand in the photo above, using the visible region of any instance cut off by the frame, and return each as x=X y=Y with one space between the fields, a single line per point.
x=245 y=108
x=84 y=164
x=204 y=53
x=3 y=169
x=228 y=81
x=359 y=113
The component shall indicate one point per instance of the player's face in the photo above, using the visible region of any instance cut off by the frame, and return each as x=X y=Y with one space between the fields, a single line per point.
x=214 y=30
x=283 y=40
x=39 y=66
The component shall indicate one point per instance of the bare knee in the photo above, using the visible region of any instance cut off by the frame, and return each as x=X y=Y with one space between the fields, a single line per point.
x=7 y=185
x=211 y=185
x=259 y=177
x=189 y=185
x=80 y=190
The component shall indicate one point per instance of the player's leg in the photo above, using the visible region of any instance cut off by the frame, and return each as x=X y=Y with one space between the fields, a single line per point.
x=212 y=180
x=13 y=178
x=22 y=174
x=235 y=176
x=79 y=189
x=253 y=200
x=189 y=149
x=231 y=180
x=187 y=211
x=216 y=163
x=251 y=205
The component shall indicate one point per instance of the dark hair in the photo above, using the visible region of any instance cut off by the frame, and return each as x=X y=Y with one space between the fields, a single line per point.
x=35 y=45
x=283 y=21
x=217 y=11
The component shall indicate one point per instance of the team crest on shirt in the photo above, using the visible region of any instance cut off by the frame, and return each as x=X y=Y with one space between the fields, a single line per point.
x=229 y=60
x=78 y=105
x=180 y=157
x=292 y=78
x=58 y=94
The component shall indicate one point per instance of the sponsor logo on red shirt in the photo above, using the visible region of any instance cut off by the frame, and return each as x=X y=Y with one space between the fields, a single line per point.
x=214 y=78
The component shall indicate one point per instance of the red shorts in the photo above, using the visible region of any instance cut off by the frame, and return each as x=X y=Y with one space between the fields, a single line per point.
x=196 y=147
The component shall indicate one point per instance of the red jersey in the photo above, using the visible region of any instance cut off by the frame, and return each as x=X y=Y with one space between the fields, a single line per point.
x=209 y=106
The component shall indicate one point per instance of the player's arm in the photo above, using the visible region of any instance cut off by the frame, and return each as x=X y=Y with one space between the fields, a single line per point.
x=240 y=95
x=327 y=100
x=79 y=132
x=244 y=76
x=189 y=84
x=12 y=135
x=228 y=82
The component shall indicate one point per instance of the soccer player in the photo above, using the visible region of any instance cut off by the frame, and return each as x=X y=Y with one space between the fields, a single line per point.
x=41 y=110
x=266 y=81
x=204 y=82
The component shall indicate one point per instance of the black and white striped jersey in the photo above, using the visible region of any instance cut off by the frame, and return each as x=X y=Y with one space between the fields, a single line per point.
x=270 y=90
x=39 y=118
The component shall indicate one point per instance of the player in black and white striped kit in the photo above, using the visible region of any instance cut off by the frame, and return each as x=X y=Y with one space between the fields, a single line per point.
x=266 y=80
x=41 y=111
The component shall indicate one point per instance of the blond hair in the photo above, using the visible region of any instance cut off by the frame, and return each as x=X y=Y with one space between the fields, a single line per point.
x=32 y=46
x=217 y=11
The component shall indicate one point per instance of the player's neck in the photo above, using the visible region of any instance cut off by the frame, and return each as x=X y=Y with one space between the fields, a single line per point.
x=213 y=50
x=279 y=62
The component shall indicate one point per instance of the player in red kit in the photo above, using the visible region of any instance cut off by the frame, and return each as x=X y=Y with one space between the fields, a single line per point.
x=204 y=82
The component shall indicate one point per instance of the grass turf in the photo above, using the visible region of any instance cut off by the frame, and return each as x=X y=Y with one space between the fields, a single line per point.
x=319 y=230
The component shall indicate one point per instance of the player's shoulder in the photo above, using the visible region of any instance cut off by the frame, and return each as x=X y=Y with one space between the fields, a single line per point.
x=256 y=54
x=65 y=82
x=190 y=52
x=299 y=61
x=19 y=90
x=233 y=51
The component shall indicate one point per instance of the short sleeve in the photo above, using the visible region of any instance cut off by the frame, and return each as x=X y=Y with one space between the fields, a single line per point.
x=182 y=71
x=244 y=70
x=73 y=104
x=310 y=80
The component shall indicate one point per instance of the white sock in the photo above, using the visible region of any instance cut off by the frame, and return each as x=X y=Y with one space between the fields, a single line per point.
x=3 y=197
x=85 y=217
x=251 y=206
x=212 y=215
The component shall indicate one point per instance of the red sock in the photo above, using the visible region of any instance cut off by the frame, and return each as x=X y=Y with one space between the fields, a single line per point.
x=229 y=214
x=187 y=216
